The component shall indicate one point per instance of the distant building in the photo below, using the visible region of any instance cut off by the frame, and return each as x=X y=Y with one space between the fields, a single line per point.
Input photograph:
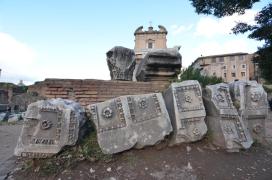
x=21 y=83
x=235 y=66
x=147 y=40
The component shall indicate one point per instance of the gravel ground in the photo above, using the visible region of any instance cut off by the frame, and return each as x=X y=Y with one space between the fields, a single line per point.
x=8 y=139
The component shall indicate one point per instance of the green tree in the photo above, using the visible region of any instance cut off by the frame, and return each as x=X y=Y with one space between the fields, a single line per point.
x=194 y=74
x=261 y=31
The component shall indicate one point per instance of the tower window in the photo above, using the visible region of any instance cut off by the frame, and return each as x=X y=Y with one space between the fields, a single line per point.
x=243 y=74
x=150 y=45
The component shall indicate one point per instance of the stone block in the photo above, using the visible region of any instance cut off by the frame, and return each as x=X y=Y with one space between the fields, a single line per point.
x=252 y=105
x=225 y=125
x=159 y=65
x=49 y=125
x=121 y=63
x=130 y=121
x=186 y=110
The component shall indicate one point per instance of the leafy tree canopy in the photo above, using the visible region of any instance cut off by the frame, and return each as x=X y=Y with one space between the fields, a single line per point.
x=261 y=30
x=194 y=74
x=220 y=8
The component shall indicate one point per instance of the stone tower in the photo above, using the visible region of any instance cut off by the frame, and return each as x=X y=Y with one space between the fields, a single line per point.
x=147 y=40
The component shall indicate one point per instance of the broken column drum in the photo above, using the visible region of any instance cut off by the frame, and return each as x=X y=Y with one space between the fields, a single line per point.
x=49 y=125
x=226 y=127
x=253 y=108
x=121 y=62
x=130 y=121
x=186 y=110
x=159 y=65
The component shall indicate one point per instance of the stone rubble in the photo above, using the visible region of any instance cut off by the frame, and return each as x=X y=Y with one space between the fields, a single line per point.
x=186 y=110
x=225 y=125
x=252 y=105
x=121 y=62
x=159 y=65
x=136 y=121
x=49 y=125
x=130 y=121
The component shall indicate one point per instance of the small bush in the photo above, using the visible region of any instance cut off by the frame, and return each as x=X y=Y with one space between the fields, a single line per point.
x=194 y=74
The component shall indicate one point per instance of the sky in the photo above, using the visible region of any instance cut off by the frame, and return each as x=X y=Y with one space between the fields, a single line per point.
x=70 y=38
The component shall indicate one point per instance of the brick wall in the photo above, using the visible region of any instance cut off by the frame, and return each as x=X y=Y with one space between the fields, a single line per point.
x=92 y=91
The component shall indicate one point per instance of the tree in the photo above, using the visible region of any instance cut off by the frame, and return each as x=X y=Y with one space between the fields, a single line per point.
x=194 y=74
x=220 y=8
x=261 y=31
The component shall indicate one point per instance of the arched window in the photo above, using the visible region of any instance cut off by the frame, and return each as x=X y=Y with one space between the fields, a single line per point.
x=150 y=44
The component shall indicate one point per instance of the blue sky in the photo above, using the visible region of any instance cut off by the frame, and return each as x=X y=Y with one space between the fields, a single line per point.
x=69 y=38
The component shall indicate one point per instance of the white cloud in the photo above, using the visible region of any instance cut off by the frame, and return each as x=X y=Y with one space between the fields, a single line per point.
x=210 y=26
x=16 y=59
x=178 y=29
x=213 y=47
x=14 y=51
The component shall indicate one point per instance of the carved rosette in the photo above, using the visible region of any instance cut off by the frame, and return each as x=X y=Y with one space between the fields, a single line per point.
x=255 y=96
x=196 y=132
x=143 y=103
x=185 y=95
x=258 y=128
x=219 y=97
x=46 y=124
x=107 y=113
x=188 y=99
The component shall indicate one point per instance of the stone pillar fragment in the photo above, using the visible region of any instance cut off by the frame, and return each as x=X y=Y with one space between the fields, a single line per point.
x=121 y=62
x=226 y=127
x=159 y=65
x=186 y=110
x=252 y=105
x=130 y=121
x=49 y=125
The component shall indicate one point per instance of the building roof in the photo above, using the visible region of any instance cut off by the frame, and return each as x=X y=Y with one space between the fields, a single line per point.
x=162 y=30
x=220 y=55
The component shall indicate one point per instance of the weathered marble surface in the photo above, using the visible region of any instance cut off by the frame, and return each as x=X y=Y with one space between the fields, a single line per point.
x=251 y=101
x=159 y=65
x=121 y=62
x=186 y=110
x=225 y=125
x=49 y=125
x=130 y=121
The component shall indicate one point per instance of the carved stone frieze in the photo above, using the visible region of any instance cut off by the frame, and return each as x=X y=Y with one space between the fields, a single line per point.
x=131 y=121
x=226 y=126
x=185 y=106
x=121 y=63
x=49 y=125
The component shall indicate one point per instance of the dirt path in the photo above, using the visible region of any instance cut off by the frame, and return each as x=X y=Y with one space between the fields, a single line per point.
x=195 y=161
x=8 y=139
